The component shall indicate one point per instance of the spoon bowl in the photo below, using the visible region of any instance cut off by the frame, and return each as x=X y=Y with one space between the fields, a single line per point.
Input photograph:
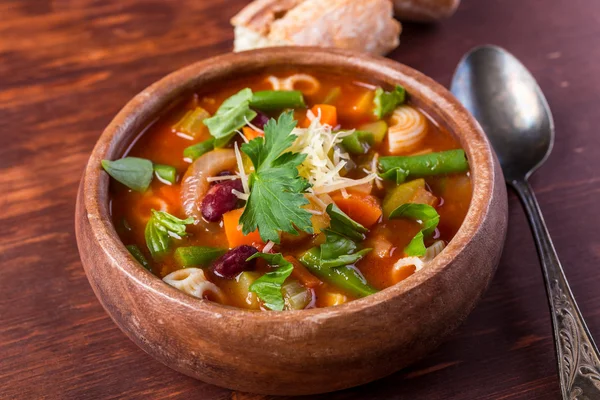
x=510 y=106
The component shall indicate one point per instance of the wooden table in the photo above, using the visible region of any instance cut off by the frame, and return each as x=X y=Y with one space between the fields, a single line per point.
x=67 y=66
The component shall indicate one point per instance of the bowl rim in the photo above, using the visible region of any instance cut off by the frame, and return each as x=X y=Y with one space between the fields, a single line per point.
x=95 y=181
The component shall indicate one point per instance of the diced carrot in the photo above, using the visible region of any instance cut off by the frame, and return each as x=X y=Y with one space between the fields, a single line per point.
x=331 y=299
x=251 y=133
x=233 y=230
x=328 y=115
x=364 y=209
x=302 y=274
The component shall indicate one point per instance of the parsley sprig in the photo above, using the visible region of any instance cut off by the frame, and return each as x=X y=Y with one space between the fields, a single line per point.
x=276 y=189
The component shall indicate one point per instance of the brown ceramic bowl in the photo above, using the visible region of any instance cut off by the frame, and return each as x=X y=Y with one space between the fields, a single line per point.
x=293 y=352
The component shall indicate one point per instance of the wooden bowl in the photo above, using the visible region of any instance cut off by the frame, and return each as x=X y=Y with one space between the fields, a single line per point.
x=293 y=352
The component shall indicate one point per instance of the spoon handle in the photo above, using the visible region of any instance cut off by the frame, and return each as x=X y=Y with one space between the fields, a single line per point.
x=578 y=357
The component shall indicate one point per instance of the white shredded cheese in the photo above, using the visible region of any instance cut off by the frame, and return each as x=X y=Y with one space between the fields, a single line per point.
x=241 y=172
x=268 y=247
x=222 y=178
x=251 y=125
x=240 y=195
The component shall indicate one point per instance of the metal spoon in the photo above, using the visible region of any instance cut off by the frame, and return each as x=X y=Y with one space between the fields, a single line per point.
x=506 y=100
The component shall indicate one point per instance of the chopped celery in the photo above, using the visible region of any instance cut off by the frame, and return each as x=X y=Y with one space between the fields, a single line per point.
x=277 y=100
x=378 y=129
x=165 y=172
x=197 y=256
x=359 y=142
x=242 y=289
x=295 y=296
x=139 y=256
x=401 y=194
x=332 y=96
x=192 y=122
x=196 y=150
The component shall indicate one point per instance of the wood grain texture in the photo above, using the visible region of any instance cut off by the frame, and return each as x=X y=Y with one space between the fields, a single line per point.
x=67 y=66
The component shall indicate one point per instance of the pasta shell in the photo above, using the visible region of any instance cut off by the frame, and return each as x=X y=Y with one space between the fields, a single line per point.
x=193 y=282
x=408 y=127
x=310 y=85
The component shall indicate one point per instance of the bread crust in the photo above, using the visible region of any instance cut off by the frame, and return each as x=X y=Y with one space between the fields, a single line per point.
x=425 y=10
x=324 y=23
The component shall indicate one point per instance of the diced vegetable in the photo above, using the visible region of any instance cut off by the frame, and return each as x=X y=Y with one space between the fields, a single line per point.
x=377 y=128
x=399 y=168
x=193 y=256
x=231 y=116
x=268 y=286
x=139 y=256
x=401 y=194
x=295 y=296
x=328 y=114
x=364 y=103
x=359 y=142
x=160 y=230
x=250 y=133
x=165 y=172
x=133 y=172
x=242 y=289
x=332 y=299
x=277 y=100
x=346 y=278
x=428 y=219
x=233 y=230
x=192 y=122
x=364 y=209
x=386 y=102
x=332 y=96
x=196 y=150
x=302 y=274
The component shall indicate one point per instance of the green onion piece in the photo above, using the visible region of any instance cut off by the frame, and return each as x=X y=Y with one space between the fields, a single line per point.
x=295 y=296
x=359 y=142
x=386 y=102
x=197 y=256
x=277 y=100
x=196 y=150
x=377 y=128
x=133 y=172
x=192 y=122
x=139 y=256
x=165 y=172
x=346 y=278
x=444 y=162
x=332 y=96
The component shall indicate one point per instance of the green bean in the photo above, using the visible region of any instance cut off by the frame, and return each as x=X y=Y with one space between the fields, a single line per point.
x=359 y=142
x=139 y=256
x=196 y=150
x=404 y=167
x=197 y=255
x=277 y=100
x=345 y=277
x=165 y=172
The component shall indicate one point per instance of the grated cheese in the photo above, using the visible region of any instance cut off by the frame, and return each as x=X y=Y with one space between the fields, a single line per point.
x=241 y=171
x=222 y=178
x=268 y=247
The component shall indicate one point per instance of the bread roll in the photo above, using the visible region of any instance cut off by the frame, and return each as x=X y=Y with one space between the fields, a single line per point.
x=361 y=25
x=425 y=10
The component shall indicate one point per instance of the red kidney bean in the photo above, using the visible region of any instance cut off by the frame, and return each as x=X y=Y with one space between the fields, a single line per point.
x=234 y=261
x=219 y=199
x=260 y=120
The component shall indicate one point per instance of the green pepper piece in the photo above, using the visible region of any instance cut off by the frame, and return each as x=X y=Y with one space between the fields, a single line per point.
x=197 y=256
x=344 y=277
x=443 y=162
x=165 y=172
x=196 y=150
x=359 y=142
x=277 y=100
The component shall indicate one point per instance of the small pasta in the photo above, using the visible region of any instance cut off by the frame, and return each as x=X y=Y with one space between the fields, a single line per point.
x=193 y=282
x=310 y=84
x=406 y=266
x=408 y=127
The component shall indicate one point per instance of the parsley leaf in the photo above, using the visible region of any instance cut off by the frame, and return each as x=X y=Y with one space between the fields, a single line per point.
x=160 y=230
x=133 y=172
x=427 y=217
x=232 y=115
x=276 y=189
x=268 y=286
x=386 y=102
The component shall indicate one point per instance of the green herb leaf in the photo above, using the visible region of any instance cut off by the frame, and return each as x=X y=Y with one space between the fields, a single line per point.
x=197 y=255
x=161 y=228
x=133 y=172
x=386 y=102
x=427 y=216
x=268 y=286
x=165 y=172
x=139 y=256
x=276 y=189
x=344 y=225
x=232 y=115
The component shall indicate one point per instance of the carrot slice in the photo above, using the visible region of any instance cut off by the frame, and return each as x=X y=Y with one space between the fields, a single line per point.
x=363 y=208
x=233 y=230
x=301 y=273
x=328 y=115
x=251 y=133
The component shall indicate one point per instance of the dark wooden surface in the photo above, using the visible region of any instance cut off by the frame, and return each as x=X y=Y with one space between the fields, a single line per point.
x=67 y=66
